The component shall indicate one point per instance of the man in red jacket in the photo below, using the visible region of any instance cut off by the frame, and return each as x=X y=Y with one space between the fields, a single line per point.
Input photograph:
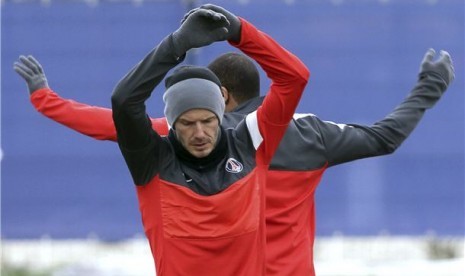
x=309 y=146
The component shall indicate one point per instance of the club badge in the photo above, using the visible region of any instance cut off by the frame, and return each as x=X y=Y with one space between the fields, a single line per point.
x=233 y=166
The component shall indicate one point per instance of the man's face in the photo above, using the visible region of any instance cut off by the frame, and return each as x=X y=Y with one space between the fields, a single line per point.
x=197 y=130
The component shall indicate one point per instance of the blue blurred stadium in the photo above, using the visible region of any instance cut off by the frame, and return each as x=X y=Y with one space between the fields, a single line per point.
x=364 y=57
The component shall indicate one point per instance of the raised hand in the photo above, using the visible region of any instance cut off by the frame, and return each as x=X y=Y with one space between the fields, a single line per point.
x=443 y=66
x=234 y=29
x=201 y=28
x=31 y=71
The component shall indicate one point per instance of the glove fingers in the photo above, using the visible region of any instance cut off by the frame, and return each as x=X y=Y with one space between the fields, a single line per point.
x=22 y=70
x=221 y=20
x=429 y=55
x=207 y=13
x=220 y=33
x=29 y=64
x=213 y=8
x=210 y=14
x=444 y=57
x=219 y=17
x=35 y=63
x=215 y=17
x=188 y=14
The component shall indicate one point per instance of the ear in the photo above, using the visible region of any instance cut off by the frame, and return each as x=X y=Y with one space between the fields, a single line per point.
x=225 y=93
x=229 y=101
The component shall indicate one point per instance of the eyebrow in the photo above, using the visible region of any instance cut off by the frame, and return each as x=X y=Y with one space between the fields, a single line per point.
x=192 y=121
x=209 y=118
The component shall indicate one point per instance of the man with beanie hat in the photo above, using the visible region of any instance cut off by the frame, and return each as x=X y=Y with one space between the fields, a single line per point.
x=201 y=189
x=192 y=91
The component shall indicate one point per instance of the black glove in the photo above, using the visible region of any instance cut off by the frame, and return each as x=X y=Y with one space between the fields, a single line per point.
x=31 y=71
x=442 y=67
x=201 y=28
x=234 y=29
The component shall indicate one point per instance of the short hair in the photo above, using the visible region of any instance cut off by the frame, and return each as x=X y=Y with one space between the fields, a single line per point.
x=191 y=71
x=238 y=74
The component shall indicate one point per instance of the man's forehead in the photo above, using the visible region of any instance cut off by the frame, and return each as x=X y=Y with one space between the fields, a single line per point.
x=196 y=114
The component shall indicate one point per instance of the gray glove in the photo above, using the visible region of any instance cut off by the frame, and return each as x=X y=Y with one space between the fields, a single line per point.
x=234 y=29
x=201 y=28
x=31 y=71
x=442 y=67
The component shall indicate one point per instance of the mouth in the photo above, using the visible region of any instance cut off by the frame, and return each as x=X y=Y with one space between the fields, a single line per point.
x=200 y=146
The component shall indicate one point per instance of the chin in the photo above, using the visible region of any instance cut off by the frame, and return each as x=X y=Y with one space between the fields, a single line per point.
x=201 y=154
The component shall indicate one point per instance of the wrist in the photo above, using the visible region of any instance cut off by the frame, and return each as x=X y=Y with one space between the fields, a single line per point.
x=435 y=77
x=236 y=38
x=236 y=31
x=40 y=91
x=179 y=44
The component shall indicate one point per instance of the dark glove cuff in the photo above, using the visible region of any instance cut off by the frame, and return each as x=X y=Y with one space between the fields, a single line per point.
x=237 y=31
x=180 y=48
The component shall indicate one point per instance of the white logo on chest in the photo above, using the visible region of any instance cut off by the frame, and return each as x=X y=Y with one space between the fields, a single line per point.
x=233 y=166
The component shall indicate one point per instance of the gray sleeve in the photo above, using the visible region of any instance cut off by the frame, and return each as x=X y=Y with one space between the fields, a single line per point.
x=133 y=126
x=347 y=142
x=139 y=143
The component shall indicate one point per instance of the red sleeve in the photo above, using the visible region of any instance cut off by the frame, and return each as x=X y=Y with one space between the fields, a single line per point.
x=289 y=77
x=95 y=122
x=160 y=125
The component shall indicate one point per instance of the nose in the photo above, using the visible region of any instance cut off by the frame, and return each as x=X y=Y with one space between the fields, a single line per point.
x=199 y=131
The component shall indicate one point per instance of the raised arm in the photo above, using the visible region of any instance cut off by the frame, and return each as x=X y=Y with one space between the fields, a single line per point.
x=288 y=74
x=93 y=121
x=130 y=94
x=138 y=142
x=349 y=142
x=128 y=99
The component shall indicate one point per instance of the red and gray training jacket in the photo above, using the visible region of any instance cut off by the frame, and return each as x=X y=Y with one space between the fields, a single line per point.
x=207 y=216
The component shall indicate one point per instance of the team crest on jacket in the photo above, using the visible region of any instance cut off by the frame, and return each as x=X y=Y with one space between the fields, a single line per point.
x=233 y=166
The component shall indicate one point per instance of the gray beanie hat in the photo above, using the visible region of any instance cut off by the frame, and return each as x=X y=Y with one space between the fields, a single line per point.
x=192 y=87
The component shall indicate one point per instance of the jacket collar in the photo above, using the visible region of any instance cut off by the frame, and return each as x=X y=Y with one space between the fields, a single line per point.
x=249 y=106
x=196 y=163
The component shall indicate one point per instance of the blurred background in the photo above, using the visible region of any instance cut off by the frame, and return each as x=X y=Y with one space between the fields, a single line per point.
x=68 y=205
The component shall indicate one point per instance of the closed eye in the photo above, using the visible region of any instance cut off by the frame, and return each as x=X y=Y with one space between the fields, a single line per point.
x=209 y=120
x=186 y=123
